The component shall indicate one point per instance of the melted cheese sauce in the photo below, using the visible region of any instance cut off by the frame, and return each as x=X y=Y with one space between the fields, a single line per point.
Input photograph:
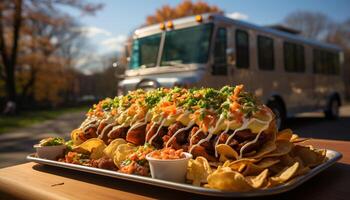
x=155 y=135
x=211 y=131
x=140 y=122
x=246 y=124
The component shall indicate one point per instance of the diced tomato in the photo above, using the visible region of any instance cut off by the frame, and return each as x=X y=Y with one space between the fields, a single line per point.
x=234 y=106
x=236 y=92
x=168 y=108
x=168 y=154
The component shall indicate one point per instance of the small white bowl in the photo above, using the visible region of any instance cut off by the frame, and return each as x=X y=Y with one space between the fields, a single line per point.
x=50 y=152
x=170 y=170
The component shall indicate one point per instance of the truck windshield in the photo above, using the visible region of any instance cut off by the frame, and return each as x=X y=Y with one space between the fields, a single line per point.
x=188 y=45
x=145 y=51
x=182 y=46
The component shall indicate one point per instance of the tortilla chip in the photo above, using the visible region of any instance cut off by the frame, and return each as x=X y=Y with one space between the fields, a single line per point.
x=258 y=181
x=265 y=149
x=283 y=147
x=256 y=168
x=309 y=157
x=240 y=165
x=110 y=150
x=285 y=175
x=285 y=134
x=287 y=160
x=122 y=153
x=226 y=152
x=75 y=136
x=225 y=179
x=198 y=170
x=94 y=146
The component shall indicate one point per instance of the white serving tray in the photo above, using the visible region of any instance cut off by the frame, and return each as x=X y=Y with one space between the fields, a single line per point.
x=332 y=156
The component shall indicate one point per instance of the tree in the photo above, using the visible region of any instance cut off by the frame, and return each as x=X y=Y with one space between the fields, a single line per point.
x=185 y=8
x=51 y=44
x=29 y=20
x=311 y=24
x=9 y=52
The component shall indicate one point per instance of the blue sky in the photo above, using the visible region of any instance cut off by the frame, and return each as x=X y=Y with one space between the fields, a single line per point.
x=108 y=29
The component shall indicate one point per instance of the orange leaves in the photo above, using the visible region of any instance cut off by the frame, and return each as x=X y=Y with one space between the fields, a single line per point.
x=185 y=8
x=162 y=14
x=48 y=48
x=51 y=81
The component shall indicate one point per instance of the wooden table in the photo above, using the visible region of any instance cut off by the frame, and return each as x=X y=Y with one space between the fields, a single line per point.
x=35 y=181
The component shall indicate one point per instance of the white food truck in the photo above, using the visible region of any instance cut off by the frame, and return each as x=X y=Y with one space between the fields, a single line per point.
x=291 y=74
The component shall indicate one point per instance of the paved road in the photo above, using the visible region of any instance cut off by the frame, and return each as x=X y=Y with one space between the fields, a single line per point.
x=16 y=145
x=314 y=125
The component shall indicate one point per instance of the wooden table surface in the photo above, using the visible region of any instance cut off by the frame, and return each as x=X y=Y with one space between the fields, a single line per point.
x=35 y=181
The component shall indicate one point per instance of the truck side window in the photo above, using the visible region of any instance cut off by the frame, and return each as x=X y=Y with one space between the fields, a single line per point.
x=326 y=62
x=242 y=49
x=266 y=57
x=220 y=57
x=294 y=59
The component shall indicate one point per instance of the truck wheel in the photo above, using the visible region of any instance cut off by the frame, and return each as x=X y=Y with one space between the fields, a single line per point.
x=278 y=110
x=332 y=111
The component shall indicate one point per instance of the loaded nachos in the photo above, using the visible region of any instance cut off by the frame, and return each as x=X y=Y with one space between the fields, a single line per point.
x=232 y=137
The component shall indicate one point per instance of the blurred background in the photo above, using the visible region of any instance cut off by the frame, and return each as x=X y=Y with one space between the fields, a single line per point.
x=59 y=57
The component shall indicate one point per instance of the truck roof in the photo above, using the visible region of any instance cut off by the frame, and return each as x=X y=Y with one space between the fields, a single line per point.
x=213 y=17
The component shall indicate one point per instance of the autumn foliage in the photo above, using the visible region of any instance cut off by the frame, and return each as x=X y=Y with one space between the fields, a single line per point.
x=185 y=8
x=38 y=44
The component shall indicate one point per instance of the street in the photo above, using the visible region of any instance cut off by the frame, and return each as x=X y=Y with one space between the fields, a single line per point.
x=17 y=144
x=314 y=125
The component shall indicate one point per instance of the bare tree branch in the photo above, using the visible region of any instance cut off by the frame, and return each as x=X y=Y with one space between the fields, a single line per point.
x=311 y=24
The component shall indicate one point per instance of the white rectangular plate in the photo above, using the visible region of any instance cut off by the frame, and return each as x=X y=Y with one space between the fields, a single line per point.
x=332 y=156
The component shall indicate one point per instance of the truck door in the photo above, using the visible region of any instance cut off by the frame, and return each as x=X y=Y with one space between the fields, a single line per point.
x=241 y=72
x=218 y=72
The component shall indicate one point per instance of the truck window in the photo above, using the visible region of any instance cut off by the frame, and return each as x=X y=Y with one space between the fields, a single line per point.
x=220 y=59
x=187 y=45
x=266 y=58
x=333 y=63
x=145 y=51
x=242 y=49
x=316 y=54
x=300 y=58
x=294 y=59
x=336 y=63
x=326 y=62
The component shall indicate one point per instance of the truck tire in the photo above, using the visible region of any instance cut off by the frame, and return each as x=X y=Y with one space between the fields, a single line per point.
x=280 y=113
x=332 y=110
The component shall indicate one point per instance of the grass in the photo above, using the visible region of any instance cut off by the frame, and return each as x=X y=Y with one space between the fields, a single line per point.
x=27 y=118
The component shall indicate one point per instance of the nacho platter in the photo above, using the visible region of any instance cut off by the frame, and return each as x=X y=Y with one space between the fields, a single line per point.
x=203 y=140
x=333 y=157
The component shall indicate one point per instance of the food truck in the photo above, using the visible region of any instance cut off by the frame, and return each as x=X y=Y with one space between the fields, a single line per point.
x=290 y=73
